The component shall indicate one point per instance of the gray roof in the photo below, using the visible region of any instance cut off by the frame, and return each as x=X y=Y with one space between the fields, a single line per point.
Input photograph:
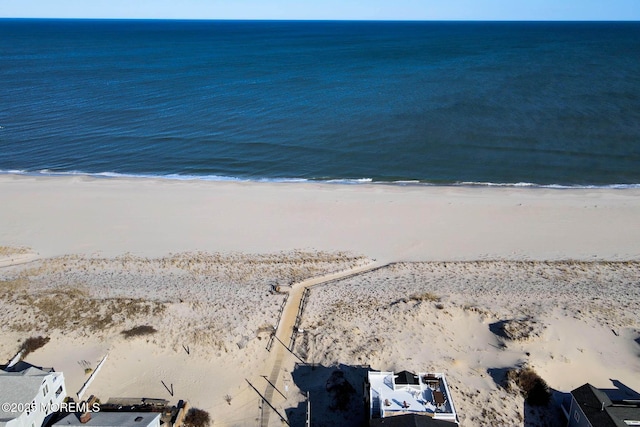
x=623 y=413
x=406 y=377
x=111 y=419
x=23 y=366
x=20 y=387
x=600 y=410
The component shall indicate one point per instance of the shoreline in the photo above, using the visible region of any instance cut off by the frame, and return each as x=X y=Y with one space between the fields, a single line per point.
x=329 y=181
x=155 y=217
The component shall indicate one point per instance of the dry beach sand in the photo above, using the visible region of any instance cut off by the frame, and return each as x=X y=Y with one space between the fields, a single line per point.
x=209 y=265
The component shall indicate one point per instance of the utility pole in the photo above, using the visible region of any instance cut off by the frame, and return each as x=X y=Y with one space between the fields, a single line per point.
x=308 y=422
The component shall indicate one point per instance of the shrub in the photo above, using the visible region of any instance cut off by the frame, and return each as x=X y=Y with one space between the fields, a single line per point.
x=534 y=388
x=197 y=418
x=32 y=344
x=138 y=331
x=426 y=296
x=341 y=391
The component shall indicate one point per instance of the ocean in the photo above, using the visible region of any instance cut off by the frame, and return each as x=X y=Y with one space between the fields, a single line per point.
x=453 y=103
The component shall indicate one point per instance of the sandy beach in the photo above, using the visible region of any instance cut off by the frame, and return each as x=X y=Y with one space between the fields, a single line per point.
x=70 y=215
x=394 y=277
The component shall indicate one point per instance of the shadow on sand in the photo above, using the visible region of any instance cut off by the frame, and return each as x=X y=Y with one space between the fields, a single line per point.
x=549 y=415
x=497 y=328
x=499 y=375
x=336 y=394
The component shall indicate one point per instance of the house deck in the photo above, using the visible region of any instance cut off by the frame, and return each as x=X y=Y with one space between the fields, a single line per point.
x=405 y=393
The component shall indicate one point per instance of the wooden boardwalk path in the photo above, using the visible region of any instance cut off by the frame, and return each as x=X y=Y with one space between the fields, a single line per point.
x=288 y=320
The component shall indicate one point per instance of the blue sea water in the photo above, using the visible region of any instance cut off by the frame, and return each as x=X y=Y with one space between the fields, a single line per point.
x=545 y=103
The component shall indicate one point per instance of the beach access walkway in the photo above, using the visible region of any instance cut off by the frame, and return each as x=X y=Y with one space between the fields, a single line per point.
x=282 y=355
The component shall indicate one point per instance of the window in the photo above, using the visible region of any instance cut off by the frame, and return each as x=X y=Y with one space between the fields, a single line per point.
x=59 y=391
x=576 y=415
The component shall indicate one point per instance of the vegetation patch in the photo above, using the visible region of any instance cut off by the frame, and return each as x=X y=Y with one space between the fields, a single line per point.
x=518 y=329
x=417 y=299
x=137 y=331
x=72 y=309
x=32 y=344
x=534 y=389
x=341 y=391
x=197 y=418
x=425 y=297
x=10 y=250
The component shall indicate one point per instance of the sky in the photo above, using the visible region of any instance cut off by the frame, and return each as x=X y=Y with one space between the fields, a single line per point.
x=326 y=9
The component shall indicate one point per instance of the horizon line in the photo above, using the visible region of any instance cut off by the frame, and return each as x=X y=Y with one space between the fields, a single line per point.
x=307 y=19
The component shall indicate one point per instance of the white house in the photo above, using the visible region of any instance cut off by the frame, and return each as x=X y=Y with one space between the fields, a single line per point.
x=394 y=399
x=112 y=419
x=30 y=396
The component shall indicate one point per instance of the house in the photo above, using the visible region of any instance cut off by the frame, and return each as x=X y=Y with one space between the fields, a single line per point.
x=593 y=407
x=408 y=399
x=30 y=395
x=111 y=419
x=171 y=416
